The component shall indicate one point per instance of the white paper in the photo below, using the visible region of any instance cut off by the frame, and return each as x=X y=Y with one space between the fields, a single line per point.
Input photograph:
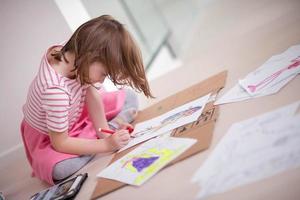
x=252 y=150
x=273 y=71
x=242 y=127
x=237 y=93
x=142 y=163
x=262 y=79
x=175 y=118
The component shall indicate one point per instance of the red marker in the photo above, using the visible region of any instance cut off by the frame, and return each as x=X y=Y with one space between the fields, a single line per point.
x=130 y=130
x=106 y=131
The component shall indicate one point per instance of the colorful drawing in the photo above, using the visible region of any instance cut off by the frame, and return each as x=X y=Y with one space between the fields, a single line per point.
x=168 y=120
x=139 y=163
x=173 y=118
x=143 y=162
x=148 y=162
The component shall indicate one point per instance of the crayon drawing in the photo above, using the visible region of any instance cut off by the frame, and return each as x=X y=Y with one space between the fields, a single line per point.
x=295 y=63
x=168 y=121
x=273 y=73
x=143 y=162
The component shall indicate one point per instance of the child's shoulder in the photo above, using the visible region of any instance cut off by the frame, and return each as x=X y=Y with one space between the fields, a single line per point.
x=50 y=51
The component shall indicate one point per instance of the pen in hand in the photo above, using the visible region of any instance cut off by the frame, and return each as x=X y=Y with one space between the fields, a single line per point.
x=106 y=131
x=130 y=130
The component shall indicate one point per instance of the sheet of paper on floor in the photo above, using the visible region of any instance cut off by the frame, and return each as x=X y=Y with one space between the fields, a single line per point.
x=237 y=93
x=272 y=84
x=142 y=163
x=252 y=150
x=273 y=71
x=170 y=120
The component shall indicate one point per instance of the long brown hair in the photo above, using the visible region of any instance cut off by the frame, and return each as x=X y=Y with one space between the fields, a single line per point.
x=104 y=39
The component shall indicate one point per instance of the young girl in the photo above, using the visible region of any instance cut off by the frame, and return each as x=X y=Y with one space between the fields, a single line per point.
x=64 y=109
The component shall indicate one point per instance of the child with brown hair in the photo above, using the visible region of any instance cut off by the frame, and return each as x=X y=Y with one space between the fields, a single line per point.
x=64 y=109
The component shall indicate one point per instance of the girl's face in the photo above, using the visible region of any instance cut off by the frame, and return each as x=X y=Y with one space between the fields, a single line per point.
x=97 y=72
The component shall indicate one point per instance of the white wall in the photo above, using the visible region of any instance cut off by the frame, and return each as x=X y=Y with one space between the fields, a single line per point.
x=27 y=29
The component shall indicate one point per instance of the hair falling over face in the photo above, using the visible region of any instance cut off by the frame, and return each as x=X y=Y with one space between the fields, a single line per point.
x=106 y=40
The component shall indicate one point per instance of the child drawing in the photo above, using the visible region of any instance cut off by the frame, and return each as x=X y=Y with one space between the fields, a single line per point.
x=64 y=109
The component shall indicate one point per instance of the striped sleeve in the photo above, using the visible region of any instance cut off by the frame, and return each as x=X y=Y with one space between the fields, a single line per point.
x=56 y=104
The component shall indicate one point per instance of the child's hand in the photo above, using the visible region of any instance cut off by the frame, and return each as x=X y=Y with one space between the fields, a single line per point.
x=128 y=127
x=124 y=118
x=119 y=139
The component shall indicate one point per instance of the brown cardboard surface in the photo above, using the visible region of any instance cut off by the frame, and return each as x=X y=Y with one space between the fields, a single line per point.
x=202 y=129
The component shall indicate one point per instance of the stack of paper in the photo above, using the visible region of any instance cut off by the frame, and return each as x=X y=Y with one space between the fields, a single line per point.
x=252 y=150
x=267 y=79
x=146 y=160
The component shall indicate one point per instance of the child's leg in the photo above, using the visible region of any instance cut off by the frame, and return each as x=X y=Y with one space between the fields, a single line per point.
x=128 y=112
x=69 y=166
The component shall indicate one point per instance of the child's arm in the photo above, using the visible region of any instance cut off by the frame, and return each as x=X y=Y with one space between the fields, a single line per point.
x=96 y=109
x=63 y=143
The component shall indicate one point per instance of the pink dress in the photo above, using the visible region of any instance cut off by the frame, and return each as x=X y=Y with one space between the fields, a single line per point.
x=40 y=154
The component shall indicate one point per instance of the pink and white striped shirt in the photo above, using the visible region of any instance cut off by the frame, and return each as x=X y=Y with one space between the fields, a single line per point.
x=54 y=102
